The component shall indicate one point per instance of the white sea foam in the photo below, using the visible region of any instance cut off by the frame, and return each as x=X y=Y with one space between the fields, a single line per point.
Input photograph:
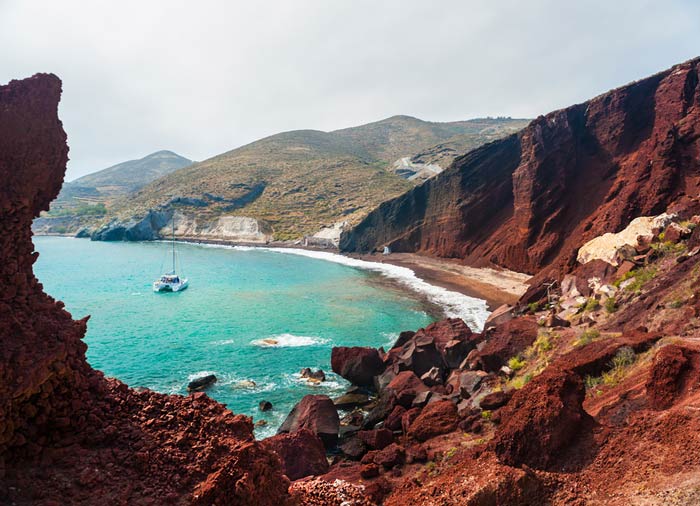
x=455 y=305
x=288 y=341
x=199 y=374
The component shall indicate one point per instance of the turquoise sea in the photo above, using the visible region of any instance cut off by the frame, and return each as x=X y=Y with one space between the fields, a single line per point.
x=237 y=297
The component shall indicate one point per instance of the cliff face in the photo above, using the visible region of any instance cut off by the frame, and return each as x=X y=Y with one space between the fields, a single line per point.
x=66 y=431
x=527 y=202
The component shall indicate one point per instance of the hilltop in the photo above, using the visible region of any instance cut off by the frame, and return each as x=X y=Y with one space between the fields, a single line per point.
x=87 y=198
x=294 y=183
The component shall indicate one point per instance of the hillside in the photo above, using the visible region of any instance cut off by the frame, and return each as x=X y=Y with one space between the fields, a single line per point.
x=295 y=183
x=526 y=202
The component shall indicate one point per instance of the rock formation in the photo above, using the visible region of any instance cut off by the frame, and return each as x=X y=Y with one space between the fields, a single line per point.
x=68 y=435
x=527 y=202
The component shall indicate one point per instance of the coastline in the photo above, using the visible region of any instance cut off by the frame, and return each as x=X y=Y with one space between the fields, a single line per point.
x=494 y=286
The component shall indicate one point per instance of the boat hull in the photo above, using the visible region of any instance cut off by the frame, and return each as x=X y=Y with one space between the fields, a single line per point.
x=160 y=286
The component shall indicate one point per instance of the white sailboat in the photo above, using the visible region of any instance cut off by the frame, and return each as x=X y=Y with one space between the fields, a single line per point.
x=170 y=281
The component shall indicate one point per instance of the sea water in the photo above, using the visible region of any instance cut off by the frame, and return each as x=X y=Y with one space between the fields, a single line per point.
x=253 y=317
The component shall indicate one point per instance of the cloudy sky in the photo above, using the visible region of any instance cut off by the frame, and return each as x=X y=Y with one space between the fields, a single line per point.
x=201 y=78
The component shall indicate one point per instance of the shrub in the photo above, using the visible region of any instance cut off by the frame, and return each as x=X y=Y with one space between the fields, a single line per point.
x=591 y=304
x=611 y=304
x=516 y=363
x=542 y=344
x=533 y=307
x=587 y=337
x=486 y=414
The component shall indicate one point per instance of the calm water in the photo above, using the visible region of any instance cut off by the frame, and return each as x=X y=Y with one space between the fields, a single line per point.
x=235 y=299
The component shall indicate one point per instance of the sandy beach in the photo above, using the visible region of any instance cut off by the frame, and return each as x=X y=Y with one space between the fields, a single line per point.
x=497 y=287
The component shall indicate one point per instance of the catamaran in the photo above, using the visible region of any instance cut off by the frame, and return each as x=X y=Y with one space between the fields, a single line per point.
x=170 y=281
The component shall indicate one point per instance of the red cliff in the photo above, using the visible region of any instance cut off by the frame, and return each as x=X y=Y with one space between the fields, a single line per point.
x=529 y=201
x=68 y=435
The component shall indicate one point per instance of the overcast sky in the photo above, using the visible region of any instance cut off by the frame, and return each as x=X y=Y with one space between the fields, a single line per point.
x=201 y=78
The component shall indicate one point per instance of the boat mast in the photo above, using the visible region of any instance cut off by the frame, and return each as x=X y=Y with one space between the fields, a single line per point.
x=173 y=241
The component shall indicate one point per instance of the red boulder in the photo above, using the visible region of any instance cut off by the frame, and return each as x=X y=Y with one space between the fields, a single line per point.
x=302 y=453
x=436 y=419
x=358 y=365
x=316 y=413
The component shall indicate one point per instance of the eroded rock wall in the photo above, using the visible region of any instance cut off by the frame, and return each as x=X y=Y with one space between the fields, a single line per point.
x=527 y=202
x=67 y=434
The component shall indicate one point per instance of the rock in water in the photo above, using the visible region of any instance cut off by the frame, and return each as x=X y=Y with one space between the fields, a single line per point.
x=202 y=383
x=265 y=406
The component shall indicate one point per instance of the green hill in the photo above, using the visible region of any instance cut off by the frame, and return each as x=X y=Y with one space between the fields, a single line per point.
x=302 y=180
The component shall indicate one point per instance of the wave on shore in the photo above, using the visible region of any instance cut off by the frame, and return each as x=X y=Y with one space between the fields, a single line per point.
x=455 y=305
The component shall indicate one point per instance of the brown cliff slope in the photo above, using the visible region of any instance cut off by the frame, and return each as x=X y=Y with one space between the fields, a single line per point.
x=67 y=434
x=527 y=202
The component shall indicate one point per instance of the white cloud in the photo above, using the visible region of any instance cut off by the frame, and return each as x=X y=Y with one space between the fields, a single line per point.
x=204 y=77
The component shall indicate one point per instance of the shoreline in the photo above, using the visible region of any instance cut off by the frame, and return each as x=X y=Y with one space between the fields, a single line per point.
x=494 y=286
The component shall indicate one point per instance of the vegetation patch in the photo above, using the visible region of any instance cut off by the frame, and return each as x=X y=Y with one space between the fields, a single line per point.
x=587 y=337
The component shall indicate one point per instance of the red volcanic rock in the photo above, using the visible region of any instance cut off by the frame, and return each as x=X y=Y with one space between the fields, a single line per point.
x=442 y=345
x=358 y=365
x=302 y=453
x=495 y=400
x=408 y=418
x=393 y=421
x=541 y=419
x=506 y=341
x=376 y=439
x=70 y=435
x=666 y=376
x=392 y=455
x=436 y=419
x=369 y=471
x=566 y=178
x=316 y=413
x=406 y=385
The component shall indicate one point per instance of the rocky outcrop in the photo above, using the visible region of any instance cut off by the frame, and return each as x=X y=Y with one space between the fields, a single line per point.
x=529 y=201
x=67 y=434
x=541 y=419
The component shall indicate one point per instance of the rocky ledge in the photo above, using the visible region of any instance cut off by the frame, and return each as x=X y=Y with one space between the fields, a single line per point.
x=67 y=434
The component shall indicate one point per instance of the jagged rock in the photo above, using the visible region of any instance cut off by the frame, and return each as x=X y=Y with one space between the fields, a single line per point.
x=265 y=406
x=499 y=315
x=392 y=455
x=358 y=365
x=507 y=340
x=302 y=453
x=348 y=401
x=671 y=363
x=541 y=419
x=422 y=399
x=675 y=233
x=495 y=400
x=316 y=413
x=393 y=421
x=405 y=387
x=408 y=418
x=353 y=447
x=465 y=383
x=376 y=439
x=436 y=419
x=432 y=378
